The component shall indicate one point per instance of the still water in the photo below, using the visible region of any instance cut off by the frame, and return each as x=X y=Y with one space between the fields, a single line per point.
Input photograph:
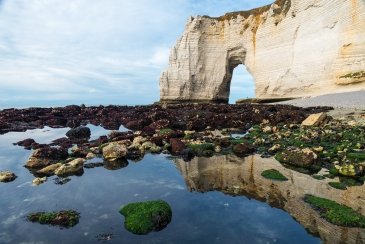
x=212 y=199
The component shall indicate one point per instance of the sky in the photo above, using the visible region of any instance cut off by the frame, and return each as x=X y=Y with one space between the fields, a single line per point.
x=57 y=52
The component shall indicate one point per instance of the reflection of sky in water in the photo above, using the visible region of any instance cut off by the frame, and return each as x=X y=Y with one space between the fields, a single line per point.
x=197 y=218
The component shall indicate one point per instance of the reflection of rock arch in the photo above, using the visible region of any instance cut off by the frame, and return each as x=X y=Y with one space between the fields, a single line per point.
x=287 y=52
x=236 y=176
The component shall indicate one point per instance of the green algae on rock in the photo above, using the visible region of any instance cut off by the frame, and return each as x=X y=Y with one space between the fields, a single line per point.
x=336 y=213
x=273 y=174
x=144 y=217
x=63 y=218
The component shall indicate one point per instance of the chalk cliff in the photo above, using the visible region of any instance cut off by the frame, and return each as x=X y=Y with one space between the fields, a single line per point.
x=291 y=48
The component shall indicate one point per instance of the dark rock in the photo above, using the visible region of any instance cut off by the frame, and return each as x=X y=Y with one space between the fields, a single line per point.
x=134 y=154
x=187 y=154
x=243 y=149
x=297 y=157
x=61 y=181
x=27 y=143
x=158 y=140
x=93 y=165
x=177 y=146
x=148 y=131
x=115 y=165
x=45 y=156
x=79 y=133
x=134 y=125
x=62 y=142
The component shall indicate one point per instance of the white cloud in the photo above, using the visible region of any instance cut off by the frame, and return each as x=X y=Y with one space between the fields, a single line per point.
x=92 y=51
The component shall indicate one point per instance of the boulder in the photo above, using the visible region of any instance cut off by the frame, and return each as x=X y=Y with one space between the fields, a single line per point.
x=43 y=157
x=351 y=170
x=27 y=143
x=297 y=157
x=37 y=181
x=75 y=167
x=7 y=176
x=314 y=119
x=79 y=133
x=114 y=151
x=49 y=170
x=243 y=149
x=144 y=217
x=177 y=146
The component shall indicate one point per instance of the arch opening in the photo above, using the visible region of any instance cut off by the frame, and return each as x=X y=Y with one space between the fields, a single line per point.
x=242 y=84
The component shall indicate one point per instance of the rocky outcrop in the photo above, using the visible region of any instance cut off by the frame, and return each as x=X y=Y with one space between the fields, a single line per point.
x=292 y=48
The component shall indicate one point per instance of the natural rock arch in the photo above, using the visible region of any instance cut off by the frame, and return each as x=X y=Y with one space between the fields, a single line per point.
x=292 y=48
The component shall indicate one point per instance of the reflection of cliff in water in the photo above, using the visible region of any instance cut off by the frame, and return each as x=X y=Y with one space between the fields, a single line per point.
x=237 y=176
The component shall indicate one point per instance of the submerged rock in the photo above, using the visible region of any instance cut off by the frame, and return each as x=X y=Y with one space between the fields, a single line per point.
x=144 y=217
x=61 y=180
x=38 y=181
x=116 y=164
x=7 y=176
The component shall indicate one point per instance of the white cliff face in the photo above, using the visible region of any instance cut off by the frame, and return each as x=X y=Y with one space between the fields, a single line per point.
x=292 y=48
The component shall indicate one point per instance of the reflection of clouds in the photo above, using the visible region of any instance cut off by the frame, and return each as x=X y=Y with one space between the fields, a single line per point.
x=45 y=135
x=37 y=198
x=13 y=218
x=25 y=184
x=5 y=237
x=154 y=184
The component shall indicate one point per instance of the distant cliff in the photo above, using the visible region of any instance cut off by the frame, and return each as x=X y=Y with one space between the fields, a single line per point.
x=291 y=48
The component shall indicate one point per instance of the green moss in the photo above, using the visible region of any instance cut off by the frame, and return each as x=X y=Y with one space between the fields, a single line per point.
x=237 y=141
x=273 y=174
x=338 y=185
x=356 y=155
x=319 y=177
x=333 y=171
x=144 y=217
x=356 y=75
x=63 y=218
x=165 y=131
x=335 y=213
x=201 y=147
